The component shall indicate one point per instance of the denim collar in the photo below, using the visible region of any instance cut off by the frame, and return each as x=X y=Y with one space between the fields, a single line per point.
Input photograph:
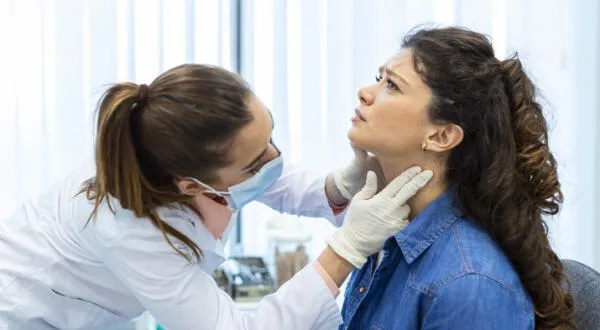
x=428 y=226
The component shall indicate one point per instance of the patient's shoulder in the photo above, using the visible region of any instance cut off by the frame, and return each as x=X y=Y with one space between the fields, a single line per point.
x=463 y=249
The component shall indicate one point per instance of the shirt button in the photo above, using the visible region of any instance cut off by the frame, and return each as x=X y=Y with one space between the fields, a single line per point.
x=362 y=289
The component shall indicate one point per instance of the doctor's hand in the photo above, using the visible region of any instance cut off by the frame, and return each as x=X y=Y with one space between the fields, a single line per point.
x=350 y=179
x=373 y=217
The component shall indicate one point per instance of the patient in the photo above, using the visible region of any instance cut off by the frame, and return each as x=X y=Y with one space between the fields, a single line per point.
x=475 y=254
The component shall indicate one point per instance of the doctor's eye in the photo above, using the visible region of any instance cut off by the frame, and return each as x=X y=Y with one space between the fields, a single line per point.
x=256 y=168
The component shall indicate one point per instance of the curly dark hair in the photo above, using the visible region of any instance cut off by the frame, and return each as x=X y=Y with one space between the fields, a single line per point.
x=504 y=173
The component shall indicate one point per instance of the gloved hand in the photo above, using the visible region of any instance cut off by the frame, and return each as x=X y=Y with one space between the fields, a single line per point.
x=372 y=218
x=350 y=179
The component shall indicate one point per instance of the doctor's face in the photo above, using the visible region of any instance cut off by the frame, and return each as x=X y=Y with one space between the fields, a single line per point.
x=392 y=117
x=251 y=149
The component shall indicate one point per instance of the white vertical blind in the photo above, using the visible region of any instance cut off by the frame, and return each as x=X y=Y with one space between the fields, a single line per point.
x=59 y=55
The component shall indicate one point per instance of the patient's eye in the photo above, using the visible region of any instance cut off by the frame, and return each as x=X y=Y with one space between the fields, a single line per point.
x=391 y=85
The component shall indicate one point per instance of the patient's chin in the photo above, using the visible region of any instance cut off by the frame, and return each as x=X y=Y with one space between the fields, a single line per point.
x=359 y=140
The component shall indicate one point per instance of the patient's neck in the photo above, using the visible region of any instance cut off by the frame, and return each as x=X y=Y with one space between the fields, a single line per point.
x=392 y=167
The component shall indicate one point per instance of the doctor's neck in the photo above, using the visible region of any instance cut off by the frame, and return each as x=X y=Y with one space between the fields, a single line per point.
x=393 y=167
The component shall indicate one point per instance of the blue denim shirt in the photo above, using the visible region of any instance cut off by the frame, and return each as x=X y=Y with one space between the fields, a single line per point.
x=441 y=272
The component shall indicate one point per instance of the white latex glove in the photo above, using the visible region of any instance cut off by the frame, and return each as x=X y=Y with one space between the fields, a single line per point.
x=372 y=218
x=350 y=179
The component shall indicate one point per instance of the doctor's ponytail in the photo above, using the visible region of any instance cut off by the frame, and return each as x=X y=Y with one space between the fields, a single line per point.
x=147 y=136
x=118 y=171
x=116 y=158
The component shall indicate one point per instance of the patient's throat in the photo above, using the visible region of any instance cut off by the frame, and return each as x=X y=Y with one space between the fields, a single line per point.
x=434 y=189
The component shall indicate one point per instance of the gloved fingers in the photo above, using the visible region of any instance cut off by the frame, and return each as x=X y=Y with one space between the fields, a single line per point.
x=370 y=188
x=411 y=188
x=396 y=185
x=402 y=223
x=340 y=183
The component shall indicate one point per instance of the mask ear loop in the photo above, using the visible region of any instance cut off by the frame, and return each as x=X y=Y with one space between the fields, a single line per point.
x=208 y=188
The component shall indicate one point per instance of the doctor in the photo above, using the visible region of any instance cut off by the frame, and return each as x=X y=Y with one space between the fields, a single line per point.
x=144 y=227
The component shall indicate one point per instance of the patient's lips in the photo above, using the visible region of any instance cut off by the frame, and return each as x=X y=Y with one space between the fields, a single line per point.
x=357 y=116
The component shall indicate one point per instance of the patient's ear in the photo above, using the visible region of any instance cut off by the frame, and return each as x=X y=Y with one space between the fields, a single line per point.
x=443 y=138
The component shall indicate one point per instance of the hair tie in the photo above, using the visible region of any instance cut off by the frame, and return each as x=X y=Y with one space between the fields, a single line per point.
x=142 y=97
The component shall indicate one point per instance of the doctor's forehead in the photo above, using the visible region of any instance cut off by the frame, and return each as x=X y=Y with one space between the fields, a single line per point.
x=259 y=104
x=253 y=138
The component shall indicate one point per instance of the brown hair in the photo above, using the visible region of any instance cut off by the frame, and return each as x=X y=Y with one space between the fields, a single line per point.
x=504 y=173
x=181 y=125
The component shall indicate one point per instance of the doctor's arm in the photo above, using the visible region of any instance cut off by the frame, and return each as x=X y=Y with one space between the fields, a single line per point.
x=310 y=193
x=180 y=295
x=300 y=191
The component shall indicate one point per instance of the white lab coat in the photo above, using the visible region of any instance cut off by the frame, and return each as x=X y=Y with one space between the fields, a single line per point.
x=54 y=273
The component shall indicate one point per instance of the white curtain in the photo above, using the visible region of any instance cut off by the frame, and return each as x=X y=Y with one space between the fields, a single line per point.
x=307 y=58
x=57 y=57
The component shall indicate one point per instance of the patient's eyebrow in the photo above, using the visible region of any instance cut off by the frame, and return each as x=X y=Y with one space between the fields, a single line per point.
x=388 y=71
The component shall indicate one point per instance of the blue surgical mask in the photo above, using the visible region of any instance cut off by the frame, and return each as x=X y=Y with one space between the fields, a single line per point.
x=250 y=190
